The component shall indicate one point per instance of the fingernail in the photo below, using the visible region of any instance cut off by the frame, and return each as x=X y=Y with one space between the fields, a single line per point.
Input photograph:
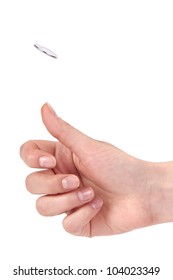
x=85 y=194
x=70 y=182
x=51 y=108
x=47 y=162
x=96 y=203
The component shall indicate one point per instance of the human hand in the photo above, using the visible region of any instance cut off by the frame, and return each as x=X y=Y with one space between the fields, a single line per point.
x=103 y=190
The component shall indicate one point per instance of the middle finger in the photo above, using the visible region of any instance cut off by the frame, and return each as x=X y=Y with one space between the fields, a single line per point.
x=47 y=182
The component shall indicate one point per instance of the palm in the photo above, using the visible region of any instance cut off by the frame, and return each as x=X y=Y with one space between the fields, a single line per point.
x=108 y=173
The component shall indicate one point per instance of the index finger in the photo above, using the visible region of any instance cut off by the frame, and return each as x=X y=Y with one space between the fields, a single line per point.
x=38 y=153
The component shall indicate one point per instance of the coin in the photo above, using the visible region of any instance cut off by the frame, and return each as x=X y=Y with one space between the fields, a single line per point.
x=45 y=50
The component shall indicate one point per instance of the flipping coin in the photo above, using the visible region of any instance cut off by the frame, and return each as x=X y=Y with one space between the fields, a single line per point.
x=46 y=51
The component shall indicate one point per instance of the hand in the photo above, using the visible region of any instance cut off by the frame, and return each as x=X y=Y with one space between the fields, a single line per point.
x=103 y=190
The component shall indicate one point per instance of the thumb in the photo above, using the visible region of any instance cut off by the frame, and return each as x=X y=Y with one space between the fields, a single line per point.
x=72 y=138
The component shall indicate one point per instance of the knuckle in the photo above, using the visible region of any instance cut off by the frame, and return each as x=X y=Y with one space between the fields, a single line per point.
x=71 y=227
x=67 y=225
x=22 y=148
x=40 y=206
x=25 y=154
x=28 y=183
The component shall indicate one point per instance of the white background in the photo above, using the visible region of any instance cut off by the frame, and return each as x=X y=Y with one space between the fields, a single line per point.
x=112 y=80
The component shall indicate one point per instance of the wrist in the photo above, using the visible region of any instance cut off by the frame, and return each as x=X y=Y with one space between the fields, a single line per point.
x=161 y=192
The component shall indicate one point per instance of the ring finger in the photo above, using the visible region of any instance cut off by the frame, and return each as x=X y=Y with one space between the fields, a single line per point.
x=51 y=205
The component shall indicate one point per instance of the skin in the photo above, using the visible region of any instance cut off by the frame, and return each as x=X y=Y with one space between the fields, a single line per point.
x=108 y=191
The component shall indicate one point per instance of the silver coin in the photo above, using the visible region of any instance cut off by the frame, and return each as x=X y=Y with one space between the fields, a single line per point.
x=45 y=50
